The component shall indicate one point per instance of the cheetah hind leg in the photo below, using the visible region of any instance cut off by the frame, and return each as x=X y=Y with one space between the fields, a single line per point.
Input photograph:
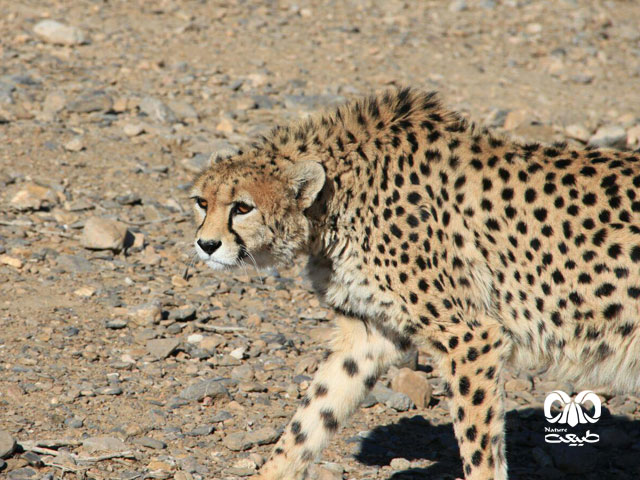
x=472 y=369
x=360 y=355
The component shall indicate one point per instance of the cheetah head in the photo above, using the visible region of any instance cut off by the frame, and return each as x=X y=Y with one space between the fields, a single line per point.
x=251 y=211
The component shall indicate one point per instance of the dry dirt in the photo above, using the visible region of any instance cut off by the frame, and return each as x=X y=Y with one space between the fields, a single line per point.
x=97 y=348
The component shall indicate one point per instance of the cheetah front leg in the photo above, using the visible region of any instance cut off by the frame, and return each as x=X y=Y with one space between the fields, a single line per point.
x=472 y=369
x=360 y=355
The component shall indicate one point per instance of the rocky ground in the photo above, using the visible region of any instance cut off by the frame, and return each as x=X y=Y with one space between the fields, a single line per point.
x=121 y=357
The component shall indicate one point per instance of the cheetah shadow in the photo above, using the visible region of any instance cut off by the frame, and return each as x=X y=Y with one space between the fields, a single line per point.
x=616 y=455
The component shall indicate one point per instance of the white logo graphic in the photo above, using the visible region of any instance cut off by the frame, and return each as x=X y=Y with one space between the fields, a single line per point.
x=572 y=412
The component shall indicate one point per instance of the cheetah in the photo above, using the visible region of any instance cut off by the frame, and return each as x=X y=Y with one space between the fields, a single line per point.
x=421 y=228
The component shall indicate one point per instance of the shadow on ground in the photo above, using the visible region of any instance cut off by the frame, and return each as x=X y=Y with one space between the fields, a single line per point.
x=615 y=456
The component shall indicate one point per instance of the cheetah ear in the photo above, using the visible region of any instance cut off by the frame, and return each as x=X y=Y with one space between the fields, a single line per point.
x=307 y=178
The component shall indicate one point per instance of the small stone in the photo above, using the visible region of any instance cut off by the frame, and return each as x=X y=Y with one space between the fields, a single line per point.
x=496 y=117
x=515 y=119
x=146 y=314
x=612 y=136
x=211 y=343
x=162 y=347
x=207 y=388
x=85 y=292
x=74 y=145
x=109 y=391
x=238 y=353
x=399 y=402
x=381 y=393
x=577 y=132
x=156 y=110
x=150 y=443
x=236 y=441
x=104 y=234
x=414 y=385
x=33 y=459
x=183 y=110
x=133 y=129
x=245 y=463
x=54 y=102
x=157 y=465
x=34 y=197
x=7 y=444
x=74 y=422
x=96 y=101
x=11 y=261
x=400 y=464
x=195 y=338
x=225 y=125
x=105 y=444
x=185 y=312
x=633 y=137
x=58 y=33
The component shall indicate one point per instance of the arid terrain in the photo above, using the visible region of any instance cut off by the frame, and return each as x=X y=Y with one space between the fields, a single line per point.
x=121 y=356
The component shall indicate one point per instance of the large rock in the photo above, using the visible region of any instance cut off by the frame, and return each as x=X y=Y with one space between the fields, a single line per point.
x=207 y=388
x=58 y=33
x=104 y=234
x=34 y=197
x=414 y=385
x=7 y=444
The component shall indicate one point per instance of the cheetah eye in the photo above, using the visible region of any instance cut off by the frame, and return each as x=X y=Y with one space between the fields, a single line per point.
x=201 y=202
x=241 y=208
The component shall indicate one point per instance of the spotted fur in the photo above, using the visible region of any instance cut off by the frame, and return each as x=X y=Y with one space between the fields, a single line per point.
x=482 y=250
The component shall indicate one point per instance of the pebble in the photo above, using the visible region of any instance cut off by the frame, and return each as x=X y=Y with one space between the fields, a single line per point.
x=76 y=144
x=7 y=444
x=34 y=197
x=186 y=312
x=11 y=261
x=162 y=347
x=515 y=119
x=94 y=101
x=633 y=137
x=55 y=32
x=101 y=233
x=74 y=422
x=212 y=388
x=244 y=440
x=133 y=129
x=577 y=132
x=612 y=136
x=116 y=324
x=413 y=384
x=146 y=314
x=156 y=110
x=399 y=402
x=400 y=464
x=104 y=444
x=150 y=443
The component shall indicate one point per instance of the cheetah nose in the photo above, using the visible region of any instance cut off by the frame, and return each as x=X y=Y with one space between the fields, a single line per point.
x=209 y=246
